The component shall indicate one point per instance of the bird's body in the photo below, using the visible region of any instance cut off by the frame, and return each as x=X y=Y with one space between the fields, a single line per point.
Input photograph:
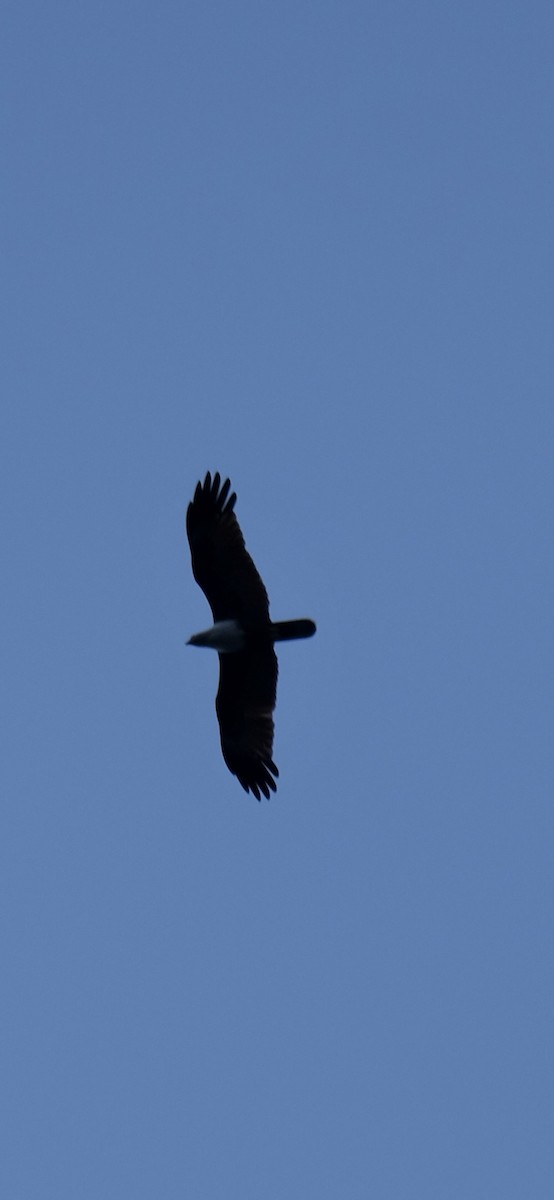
x=242 y=634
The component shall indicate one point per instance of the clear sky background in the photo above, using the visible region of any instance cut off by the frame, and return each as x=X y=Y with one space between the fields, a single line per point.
x=309 y=245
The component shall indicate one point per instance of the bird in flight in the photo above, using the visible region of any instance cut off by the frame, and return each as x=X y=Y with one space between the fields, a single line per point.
x=242 y=634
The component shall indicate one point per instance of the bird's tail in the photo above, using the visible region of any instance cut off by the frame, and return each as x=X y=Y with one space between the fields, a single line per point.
x=285 y=631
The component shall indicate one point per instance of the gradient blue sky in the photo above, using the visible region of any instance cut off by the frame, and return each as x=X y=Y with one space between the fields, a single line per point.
x=309 y=245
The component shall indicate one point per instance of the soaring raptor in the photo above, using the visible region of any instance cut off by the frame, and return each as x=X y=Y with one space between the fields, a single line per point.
x=242 y=634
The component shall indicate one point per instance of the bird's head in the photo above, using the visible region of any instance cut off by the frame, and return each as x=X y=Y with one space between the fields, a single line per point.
x=198 y=639
x=224 y=636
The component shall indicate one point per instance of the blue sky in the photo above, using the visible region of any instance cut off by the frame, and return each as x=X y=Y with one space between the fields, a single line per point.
x=310 y=246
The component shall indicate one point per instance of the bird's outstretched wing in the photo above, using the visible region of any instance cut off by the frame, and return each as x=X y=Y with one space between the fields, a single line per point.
x=244 y=705
x=221 y=563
